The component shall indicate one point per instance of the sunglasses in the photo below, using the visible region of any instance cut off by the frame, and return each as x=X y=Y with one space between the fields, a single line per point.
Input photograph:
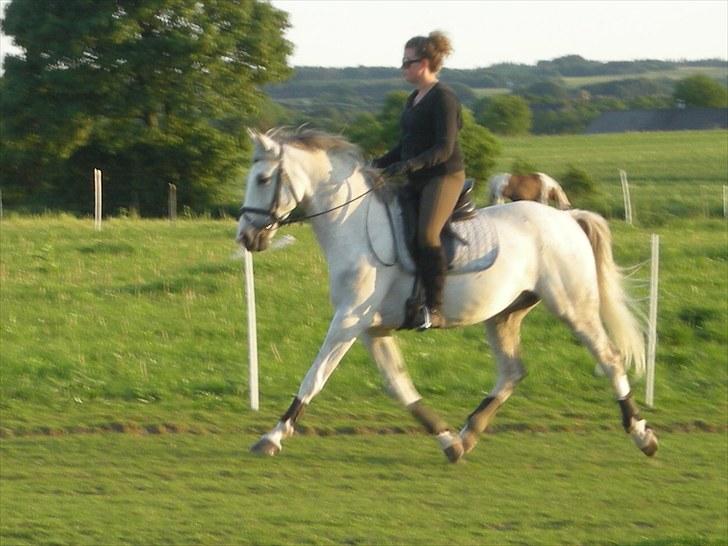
x=406 y=63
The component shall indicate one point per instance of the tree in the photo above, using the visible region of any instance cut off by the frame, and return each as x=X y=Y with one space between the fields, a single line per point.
x=480 y=148
x=701 y=90
x=151 y=92
x=507 y=115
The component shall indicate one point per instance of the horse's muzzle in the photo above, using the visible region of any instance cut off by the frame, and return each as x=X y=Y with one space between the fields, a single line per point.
x=253 y=238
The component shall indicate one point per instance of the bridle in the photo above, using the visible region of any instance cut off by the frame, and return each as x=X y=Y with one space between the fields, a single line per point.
x=272 y=218
x=281 y=178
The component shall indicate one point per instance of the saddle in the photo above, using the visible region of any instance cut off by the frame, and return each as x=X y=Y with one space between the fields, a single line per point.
x=469 y=240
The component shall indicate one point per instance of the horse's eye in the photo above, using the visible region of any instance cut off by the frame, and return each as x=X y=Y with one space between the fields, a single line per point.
x=263 y=179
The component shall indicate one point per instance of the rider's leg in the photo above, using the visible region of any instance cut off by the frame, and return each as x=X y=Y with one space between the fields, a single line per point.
x=437 y=201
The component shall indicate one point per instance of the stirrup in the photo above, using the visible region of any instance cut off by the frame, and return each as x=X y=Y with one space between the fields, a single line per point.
x=428 y=319
x=426 y=323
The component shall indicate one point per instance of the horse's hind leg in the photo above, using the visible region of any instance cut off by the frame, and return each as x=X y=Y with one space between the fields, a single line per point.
x=592 y=334
x=504 y=335
x=385 y=352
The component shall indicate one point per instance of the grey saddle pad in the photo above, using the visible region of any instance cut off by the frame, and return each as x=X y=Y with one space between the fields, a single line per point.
x=473 y=247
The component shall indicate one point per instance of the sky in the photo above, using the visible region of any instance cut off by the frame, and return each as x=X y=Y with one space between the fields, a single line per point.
x=338 y=33
x=484 y=32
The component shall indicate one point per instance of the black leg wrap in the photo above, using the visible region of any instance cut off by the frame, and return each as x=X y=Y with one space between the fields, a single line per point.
x=432 y=422
x=294 y=411
x=629 y=410
x=478 y=420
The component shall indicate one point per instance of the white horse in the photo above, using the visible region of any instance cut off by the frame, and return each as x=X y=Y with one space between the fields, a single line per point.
x=530 y=187
x=561 y=257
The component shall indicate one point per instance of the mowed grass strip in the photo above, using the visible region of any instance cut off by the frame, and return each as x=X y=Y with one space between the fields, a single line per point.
x=556 y=488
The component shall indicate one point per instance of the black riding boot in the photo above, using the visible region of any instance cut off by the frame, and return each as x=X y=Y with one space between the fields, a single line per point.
x=432 y=267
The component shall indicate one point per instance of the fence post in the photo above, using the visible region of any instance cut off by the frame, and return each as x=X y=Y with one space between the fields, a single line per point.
x=652 y=332
x=97 y=199
x=627 y=199
x=252 y=330
x=172 y=202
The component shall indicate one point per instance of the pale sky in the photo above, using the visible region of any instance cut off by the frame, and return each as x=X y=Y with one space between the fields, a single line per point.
x=485 y=32
x=372 y=32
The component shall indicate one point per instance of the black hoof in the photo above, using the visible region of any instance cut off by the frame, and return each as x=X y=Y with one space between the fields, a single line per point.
x=265 y=447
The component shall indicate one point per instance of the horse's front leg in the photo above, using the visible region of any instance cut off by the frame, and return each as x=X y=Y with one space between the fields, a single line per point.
x=342 y=333
x=385 y=352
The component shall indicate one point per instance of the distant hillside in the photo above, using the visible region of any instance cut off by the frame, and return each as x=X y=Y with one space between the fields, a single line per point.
x=364 y=88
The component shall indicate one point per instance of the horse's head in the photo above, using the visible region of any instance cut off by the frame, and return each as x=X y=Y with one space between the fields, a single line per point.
x=270 y=196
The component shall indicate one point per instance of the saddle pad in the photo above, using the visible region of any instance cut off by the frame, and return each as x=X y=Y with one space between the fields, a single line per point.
x=471 y=245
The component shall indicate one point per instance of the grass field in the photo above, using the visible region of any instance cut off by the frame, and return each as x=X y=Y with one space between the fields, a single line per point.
x=140 y=329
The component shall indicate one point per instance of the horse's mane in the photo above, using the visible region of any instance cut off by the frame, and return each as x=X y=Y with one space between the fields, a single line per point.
x=313 y=139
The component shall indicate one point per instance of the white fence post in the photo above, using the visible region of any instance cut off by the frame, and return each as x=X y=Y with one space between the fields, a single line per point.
x=252 y=330
x=97 y=199
x=627 y=199
x=652 y=333
x=172 y=202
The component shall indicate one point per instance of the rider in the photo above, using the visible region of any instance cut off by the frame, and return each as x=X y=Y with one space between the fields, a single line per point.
x=429 y=154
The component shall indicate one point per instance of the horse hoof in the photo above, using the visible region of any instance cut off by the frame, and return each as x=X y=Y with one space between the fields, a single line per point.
x=650 y=443
x=451 y=446
x=454 y=452
x=644 y=437
x=265 y=447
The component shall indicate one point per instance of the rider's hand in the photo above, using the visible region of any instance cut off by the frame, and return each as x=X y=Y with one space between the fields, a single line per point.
x=396 y=169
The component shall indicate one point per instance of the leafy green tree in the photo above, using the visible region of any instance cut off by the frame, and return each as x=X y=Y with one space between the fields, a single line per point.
x=390 y=115
x=507 y=115
x=701 y=90
x=150 y=92
x=480 y=148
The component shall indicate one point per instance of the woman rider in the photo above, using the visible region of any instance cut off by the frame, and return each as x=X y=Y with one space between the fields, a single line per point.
x=429 y=155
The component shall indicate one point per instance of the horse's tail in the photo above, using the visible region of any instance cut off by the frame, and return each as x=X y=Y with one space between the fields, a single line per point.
x=615 y=306
x=553 y=190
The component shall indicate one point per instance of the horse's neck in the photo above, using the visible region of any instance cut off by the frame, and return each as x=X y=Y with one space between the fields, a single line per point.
x=340 y=185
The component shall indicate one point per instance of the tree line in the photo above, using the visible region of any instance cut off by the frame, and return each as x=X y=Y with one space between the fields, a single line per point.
x=161 y=92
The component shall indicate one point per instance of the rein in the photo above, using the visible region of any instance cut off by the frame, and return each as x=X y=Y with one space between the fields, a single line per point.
x=275 y=220
x=379 y=183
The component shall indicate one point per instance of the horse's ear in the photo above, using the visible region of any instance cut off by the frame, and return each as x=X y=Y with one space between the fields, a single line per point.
x=253 y=134
x=263 y=143
x=268 y=145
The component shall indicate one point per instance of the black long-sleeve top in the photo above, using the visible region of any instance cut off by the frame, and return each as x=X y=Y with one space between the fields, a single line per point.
x=429 y=136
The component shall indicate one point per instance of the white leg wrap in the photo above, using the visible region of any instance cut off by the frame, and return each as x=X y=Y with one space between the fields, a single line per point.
x=446 y=439
x=638 y=428
x=279 y=433
x=622 y=387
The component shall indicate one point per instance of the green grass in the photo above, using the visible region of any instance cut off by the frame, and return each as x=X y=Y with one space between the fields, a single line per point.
x=140 y=328
x=716 y=72
x=671 y=175
x=557 y=488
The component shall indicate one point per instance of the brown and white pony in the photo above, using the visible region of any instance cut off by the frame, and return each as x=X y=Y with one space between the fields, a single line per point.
x=527 y=187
